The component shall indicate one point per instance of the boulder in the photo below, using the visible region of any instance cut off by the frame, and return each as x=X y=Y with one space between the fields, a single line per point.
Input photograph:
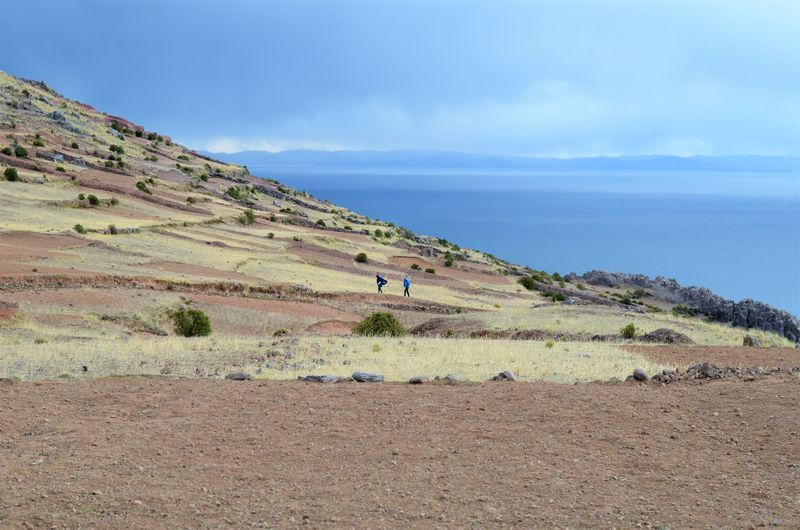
x=666 y=336
x=418 y=380
x=238 y=376
x=751 y=342
x=367 y=377
x=640 y=375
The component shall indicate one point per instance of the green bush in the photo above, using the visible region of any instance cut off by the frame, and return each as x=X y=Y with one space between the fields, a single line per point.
x=79 y=228
x=247 y=217
x=112 y=229
x=20 y=151
x=362 y=257
x=448 y=259
x=681 y=310
x=61 y=169
x=191 y=322
x=527 y=282
x=38 y=143
x=7 y=151
x=380 y=324
x=81 y=196
x=93 y=200
x=430 y=271
x=117 y=149
x=279 y=332
x=114 y=201
x=554 y=296
x=415 y=267
x=138 y=133
x=321 y=223
x=74 y=145
x=109 y=163
x=191 y=200
x=11 y=174
x=629 y=331
x=271 y=235
x=141 y=186
x=378 y=233
x=183 y=157
x=234 y=193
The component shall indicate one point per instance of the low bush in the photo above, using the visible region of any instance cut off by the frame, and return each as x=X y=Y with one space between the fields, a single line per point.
x=629 y=331
x=271 y=235
x=448 y=259
x=138 y=133
x=61 y=169
x=11 y=174
x=191 y=200
x=7 y=151
x=38 y=143
x=93 y=200
x=114 y=201
x=430 y=271
x=112 y=229
x=74 y=145
x=527 y=282
x=378 y=233
x=234 y=193
x=117 y=149
x=20 y=151
x=191 y=322
x=321 y=223
x=681 y=310
x=415 y=267
x=183 y=157
x=141 y=186
x=380 y=324
x=79 y=228
x=247 y=217
x=279 y=332
x=362 y=257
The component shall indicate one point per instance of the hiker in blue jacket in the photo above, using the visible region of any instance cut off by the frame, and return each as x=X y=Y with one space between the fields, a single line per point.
x=406 y=285
x=381 y=282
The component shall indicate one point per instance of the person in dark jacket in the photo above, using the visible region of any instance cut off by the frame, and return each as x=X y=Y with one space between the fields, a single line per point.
x=406 y=285
x=381 y=282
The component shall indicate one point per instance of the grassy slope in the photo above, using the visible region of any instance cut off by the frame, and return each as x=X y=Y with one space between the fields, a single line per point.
x=297 y=275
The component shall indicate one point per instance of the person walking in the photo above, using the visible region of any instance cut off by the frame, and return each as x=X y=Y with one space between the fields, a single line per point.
x=381 y=282
x=406 y=285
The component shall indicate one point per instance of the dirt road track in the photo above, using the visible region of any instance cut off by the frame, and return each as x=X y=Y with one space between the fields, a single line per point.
x=121 y=453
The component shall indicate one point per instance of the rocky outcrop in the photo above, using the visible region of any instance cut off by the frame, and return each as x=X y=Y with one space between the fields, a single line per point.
x=746 y=313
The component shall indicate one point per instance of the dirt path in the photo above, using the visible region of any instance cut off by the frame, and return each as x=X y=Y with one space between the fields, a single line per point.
x=121 y=453
x=737 y=356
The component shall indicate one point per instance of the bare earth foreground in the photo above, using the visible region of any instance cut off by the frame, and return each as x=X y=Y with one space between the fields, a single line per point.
x=141 y=452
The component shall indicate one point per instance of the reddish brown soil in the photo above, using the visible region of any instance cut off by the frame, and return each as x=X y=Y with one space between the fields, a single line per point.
x=740 y=356
x=198 y=271
x=123 y=453
x=332 y=327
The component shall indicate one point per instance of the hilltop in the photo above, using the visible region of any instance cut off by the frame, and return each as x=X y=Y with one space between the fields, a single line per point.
x=109 y=227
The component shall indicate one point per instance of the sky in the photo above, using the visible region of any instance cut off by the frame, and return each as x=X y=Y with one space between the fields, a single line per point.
x=544 y=78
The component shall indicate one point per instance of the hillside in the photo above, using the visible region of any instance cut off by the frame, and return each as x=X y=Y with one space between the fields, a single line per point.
x=108 y=227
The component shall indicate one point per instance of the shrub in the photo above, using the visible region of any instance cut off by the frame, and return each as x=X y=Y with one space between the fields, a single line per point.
x=527 y=282
x=61 y=169
x=117 y=149
x=362 y=257
x=629 y=331
x=430 y=271
x=20 y=151
x=380 y=324
x=378 y=233
x=38 y=143
x=114 y=201
x=141 y=186
x=112 y=229
x=109 y=163
x=191 y=200
x=11 y=174
x=138 y=133
x=279 y=332
x=247 y=217
x=93 y=200
x=555 y=297
x=191 y=323
x=296 y=238
x=321 y=223
x=549 y=344
x=270 y=235
x=448 y=259
x=681 y=310
x=79 y=228
x=273 y=217
x=415 y=267
x=183 y=157
x=74 y=145
x=7 y=151
x=234 y=193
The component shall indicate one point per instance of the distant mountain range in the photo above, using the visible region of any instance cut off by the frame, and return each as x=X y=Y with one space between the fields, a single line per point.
x=411 y=158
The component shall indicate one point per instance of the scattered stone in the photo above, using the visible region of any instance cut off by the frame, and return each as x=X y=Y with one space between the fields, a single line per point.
x=506 y=375
x=585 y=355
x=640 y=375
x=418 y=380
x=367 y=377
x=449 y=378
x=238 y=376
x=84 y=368
x=320 y=378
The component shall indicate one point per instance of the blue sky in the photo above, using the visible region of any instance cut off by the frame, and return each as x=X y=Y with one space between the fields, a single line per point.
x=533 y=78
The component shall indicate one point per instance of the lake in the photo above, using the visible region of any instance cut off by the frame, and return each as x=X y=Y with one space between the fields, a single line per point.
x=737 y=234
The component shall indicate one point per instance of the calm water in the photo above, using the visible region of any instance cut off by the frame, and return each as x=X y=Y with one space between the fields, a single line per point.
x=738 y=234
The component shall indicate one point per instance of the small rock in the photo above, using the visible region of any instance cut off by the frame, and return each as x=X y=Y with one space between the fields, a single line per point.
x=320 y=378
x=418 y=380
x=640 y=375
x=506 y=375
x=585 y=355
x=367 y=377
x=238 y=376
